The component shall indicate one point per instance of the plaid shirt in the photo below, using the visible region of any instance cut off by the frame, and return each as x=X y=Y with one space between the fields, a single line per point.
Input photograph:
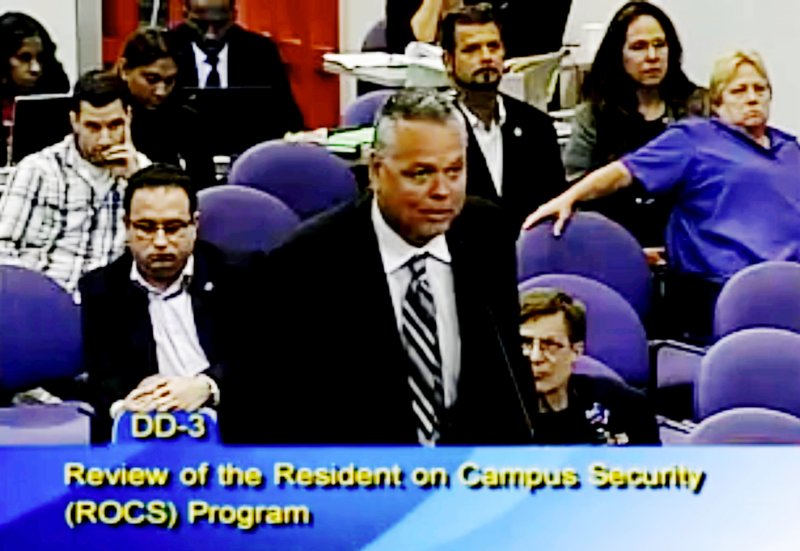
x=61 y=215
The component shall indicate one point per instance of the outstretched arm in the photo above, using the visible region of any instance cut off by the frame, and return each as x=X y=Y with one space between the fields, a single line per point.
x=600 y=183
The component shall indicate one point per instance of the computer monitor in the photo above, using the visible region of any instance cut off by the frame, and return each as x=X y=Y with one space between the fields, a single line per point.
x=39 y=121
x=238 y=118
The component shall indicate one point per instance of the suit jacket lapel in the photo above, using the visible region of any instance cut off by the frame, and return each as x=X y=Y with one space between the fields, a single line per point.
x=140 y=330
x=512 y=140
x=201 y=290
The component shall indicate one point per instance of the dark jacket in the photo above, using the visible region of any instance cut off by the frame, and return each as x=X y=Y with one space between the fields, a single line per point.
x=253 y=60
x=119 y=349
x=599 y=410
x=532 y=169
x=336 y=371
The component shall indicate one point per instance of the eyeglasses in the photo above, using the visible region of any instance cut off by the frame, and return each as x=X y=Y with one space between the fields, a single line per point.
x=147 y=229
x=548 y=347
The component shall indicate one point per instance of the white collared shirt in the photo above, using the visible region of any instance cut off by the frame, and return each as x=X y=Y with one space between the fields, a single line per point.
x=490 y=141
x=204 y=67
x=395 y=254
x=178 y=347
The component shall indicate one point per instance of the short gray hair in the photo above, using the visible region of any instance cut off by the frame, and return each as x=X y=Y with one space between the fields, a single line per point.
x=419 y=104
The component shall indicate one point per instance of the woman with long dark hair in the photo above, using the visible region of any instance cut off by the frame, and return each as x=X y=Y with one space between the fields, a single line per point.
x=162 y=126
x=28 y=65
x=635 y=89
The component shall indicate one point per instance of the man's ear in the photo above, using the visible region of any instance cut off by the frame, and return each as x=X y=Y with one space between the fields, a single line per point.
x=579 y=348
x=196 y=219
x=73 y=121
x=447 y=59
x=375 y=166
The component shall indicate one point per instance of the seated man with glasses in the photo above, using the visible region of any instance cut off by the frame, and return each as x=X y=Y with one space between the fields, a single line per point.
x=573 y=408
x=153 y=319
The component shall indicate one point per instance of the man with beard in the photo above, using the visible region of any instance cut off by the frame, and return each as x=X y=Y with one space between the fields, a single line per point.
x=513 y=156
x=212 y=51
x=153 y=321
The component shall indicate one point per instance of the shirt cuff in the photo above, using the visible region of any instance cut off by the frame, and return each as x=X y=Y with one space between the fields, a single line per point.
x=116 y=408
x=213 y=388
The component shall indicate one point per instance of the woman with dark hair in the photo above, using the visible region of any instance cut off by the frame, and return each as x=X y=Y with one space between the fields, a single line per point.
x=636 y=88
x=162 y=127
x=28 y=66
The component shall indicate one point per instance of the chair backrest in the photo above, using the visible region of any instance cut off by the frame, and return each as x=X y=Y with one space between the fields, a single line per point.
x=375 y=41
x=762 y=295
x=363 y=110
x=40 y=330
x=306 y=177
x=591 y=246
x=241 y=220
x=586 y=365
x=614 y=333
x=747 y=426
x=750 y=368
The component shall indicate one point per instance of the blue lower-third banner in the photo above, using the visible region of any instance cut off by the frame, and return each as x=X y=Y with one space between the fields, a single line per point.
x=139 y=496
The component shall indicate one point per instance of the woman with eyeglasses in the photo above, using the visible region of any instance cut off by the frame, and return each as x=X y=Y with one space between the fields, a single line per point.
x=576 y=408
x=163 y=127
x=635 y=89
x=28 y=65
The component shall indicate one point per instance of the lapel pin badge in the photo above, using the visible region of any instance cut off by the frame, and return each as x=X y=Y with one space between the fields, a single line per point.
x=517 y=131
x=208 y=286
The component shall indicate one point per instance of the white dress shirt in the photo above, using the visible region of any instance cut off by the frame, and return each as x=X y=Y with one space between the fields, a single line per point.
x=178 y=349
x=490 y=141
x=204 y=67
x=395 y=254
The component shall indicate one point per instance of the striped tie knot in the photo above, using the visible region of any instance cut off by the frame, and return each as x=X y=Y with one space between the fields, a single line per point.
x=417 y=266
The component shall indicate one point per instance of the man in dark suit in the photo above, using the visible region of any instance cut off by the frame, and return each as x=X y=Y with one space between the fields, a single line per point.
x=393 y=317
x=212 y=51
x=153 y=319
x=513 y=154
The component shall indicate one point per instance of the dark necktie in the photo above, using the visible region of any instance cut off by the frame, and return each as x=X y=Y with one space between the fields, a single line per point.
x=213 y=77
x=420 y=337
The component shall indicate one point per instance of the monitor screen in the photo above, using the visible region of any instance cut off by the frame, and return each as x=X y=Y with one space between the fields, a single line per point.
x=238 y=118
x=39 y=121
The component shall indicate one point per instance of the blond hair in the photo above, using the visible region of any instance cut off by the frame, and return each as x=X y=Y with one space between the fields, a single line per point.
x=725 y=68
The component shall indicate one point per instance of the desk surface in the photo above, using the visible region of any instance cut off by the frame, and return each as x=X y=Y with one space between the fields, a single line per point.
x=392 y=77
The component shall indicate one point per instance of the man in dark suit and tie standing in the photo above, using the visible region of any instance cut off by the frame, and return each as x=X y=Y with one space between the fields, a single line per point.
x=393 y=318
x=513 y=154
x=212 y=51
x=153 y=320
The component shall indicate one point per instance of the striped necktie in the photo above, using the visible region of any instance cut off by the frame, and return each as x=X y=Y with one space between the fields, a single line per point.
x=420 y=337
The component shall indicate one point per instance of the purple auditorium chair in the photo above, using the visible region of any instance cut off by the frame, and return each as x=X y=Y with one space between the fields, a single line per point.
x=306 y=177
x=363 y=110
x=586 y=365
x=750 y=368
x=591 y=246
x=40 y=340
x=762 y=295
x=240 y=220
x=747 y=426
x=614 y=333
